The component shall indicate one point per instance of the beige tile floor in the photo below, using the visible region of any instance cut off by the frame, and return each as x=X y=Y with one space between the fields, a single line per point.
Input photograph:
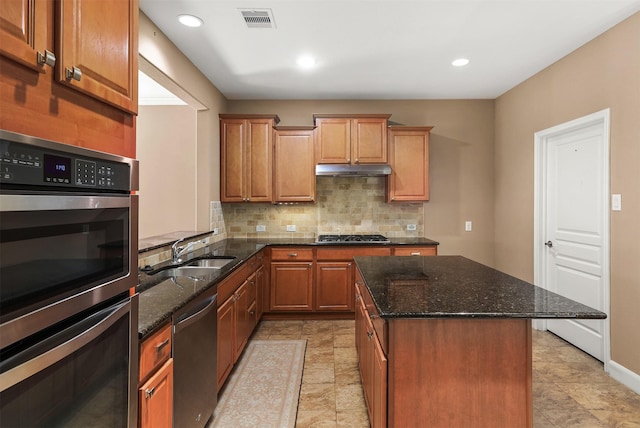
x=570 y=388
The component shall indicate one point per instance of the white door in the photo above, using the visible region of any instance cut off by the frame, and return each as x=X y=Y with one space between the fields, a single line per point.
x=573 y=219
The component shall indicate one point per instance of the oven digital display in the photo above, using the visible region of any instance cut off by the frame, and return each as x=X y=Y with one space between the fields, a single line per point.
x=57 y=169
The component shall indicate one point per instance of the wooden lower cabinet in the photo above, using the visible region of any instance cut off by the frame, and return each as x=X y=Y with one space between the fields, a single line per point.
x=334 y=286
x=372 y=364
x=291 y=286
x=155 y=392
x=431 y=250
x=237 y=314
x=156 y=399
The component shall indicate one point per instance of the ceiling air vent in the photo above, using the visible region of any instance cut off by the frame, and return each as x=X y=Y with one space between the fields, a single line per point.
x=258 y=18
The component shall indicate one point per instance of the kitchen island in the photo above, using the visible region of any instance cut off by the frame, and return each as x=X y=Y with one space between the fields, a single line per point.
x=445 y=341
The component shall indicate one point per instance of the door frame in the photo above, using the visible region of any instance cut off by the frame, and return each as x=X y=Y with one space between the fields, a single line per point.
x=541 y=139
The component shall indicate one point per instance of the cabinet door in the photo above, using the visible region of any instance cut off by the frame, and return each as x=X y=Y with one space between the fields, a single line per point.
x=97 y=49
x=232 y=169
x=379 y=385
x=295 y=177
x=260 y=292
x=369 y=140
x=156 y=399
x=334 y=140
x=409 y=160
x=24 y=30
x=226 y=339
x=334 y=286
x=291 y=286
x=259 y=167
x=243 y=328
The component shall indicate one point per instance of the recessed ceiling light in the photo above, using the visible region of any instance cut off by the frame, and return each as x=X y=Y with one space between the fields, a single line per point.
x=306 y=61
x=460 y=62
x=190 y=20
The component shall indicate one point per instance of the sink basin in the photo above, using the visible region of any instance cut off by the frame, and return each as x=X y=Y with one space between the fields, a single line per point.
x=201 y=267
x=210 y=263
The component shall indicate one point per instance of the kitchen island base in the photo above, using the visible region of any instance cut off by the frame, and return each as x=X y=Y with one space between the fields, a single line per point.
x=459 y=372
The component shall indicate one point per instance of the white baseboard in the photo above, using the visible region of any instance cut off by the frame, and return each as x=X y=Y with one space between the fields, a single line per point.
x=624 y=376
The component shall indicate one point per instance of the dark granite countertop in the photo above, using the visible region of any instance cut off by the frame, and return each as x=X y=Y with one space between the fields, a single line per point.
x=453 y=286
x=160 y=297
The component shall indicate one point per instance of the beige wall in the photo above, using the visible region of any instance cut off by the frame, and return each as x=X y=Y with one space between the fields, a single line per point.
x=166 y=150
x=604 y=73
x=156 y=48
x=461 y=164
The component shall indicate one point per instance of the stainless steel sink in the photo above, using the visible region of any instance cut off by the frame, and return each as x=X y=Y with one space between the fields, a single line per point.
x=210 y=263
x=197 y=268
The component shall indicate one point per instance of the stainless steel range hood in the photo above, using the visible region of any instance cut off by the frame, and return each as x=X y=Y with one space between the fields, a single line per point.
x=361 y=170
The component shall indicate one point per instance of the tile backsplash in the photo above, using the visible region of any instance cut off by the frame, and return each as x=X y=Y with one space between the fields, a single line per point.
x=344 y=205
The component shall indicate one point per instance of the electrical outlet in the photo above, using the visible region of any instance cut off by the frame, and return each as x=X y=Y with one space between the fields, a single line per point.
x=411 y=227
x=468 y=226
x=291 y=228
x=215 y=231
x=261 y=228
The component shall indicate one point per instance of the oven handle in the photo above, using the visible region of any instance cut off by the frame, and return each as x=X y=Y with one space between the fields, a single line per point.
x=59 y=346
x=61 y=202
x=196 y=313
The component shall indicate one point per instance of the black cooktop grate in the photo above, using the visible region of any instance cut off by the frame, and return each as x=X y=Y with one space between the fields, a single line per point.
x=380 y=239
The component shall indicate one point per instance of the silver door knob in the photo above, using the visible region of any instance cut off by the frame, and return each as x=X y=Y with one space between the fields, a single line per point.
x=549 y=244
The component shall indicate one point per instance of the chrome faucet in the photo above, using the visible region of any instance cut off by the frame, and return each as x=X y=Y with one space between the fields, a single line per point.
x=177 y=252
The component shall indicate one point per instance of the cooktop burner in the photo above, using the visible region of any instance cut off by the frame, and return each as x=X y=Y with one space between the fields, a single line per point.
x=346 y=239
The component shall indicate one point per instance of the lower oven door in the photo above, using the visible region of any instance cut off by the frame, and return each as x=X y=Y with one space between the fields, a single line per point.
x=78 y=374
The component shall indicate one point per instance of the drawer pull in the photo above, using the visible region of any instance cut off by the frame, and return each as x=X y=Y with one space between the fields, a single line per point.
x=162 y=345
x=370 y=334
x=417 y=253
x=73 y=73
x=373 y=316
x=46 y=58
x=292 y=254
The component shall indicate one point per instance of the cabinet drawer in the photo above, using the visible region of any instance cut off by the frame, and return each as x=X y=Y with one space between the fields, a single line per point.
x=344 y=253
x=154 y=351
x=416 y=251
x=292 y=253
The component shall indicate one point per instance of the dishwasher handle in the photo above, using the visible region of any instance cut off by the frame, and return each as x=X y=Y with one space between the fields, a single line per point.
x=196 y=313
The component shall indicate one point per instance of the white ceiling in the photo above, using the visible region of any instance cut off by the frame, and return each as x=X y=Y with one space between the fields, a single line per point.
x=382 y=49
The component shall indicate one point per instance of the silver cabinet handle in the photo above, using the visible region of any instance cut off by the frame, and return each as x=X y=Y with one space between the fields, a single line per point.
x=292 y=254
x=148 y=393
x=162 y=345
x=416 y=253
x=46 y=58
x=73 y=73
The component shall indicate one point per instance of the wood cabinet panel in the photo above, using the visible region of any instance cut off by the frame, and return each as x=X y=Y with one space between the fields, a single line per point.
x=156 y=399
x=154 y=351
x=344 y=139
x=294 y=169
x=334 y=286
x=409 y=160
x=226 y=339
x=348 y=253
x=291 y=286
x=100 y=40
x=292 y=254
x=246 y=157
x=24 y=32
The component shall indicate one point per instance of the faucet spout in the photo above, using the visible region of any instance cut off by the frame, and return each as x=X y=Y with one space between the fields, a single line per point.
x=177 y=251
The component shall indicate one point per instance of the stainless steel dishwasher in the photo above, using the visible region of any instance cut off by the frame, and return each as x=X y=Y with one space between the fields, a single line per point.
x=195 y=361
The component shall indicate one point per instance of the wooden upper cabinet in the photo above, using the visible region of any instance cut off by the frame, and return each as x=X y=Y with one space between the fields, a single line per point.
x=409 y=160
x=246 y=157
x=294 y=171
x=351 y=139
x=24 y=30
x=97 y=49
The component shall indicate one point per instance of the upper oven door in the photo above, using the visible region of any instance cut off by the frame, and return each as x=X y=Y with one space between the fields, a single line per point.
x=60 y=254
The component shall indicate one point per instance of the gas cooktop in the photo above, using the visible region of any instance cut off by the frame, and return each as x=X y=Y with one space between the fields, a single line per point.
x=352 y=239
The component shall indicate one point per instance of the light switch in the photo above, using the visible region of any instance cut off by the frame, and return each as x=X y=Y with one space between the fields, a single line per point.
x=616 y=202
x=468 y=226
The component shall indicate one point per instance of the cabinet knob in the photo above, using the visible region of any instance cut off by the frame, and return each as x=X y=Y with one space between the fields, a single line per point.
x=73 y=73
x=357 y=161
x=370 y=334
x=46 y=58
x=252 y=313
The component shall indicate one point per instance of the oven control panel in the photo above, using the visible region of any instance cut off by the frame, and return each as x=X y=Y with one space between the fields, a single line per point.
x=26 y=165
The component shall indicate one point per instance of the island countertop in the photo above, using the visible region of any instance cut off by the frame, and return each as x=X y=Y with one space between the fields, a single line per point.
x=456 y=287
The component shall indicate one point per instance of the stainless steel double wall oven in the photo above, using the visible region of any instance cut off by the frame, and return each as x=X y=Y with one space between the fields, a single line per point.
x=68 y=260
